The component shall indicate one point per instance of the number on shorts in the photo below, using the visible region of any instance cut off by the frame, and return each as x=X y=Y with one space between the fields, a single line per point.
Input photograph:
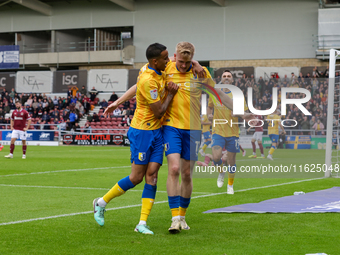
x=237 y=146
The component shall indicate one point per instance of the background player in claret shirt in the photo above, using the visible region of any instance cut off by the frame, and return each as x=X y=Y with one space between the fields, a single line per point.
x=274 y=122
x=206 y=124
x=1 y=147
x=225 y=135
x=146 y=140
x=257 y=135
x=19 y=128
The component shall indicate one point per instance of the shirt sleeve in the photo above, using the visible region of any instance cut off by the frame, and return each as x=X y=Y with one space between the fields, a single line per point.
x=12 y=116
x=28 y=117
x=149 y=90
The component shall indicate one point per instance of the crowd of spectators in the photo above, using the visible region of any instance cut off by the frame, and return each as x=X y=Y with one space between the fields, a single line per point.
x=64 y=113
x=316 y=82
x=120 y=119
x=46 y=112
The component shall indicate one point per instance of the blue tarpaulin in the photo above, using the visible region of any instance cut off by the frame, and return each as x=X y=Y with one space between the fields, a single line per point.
x=314 y=202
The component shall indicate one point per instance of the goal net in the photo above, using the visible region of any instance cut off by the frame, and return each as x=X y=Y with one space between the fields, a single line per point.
x=333 y=116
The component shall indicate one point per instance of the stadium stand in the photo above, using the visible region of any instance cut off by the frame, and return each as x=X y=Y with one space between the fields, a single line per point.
x=53 y=113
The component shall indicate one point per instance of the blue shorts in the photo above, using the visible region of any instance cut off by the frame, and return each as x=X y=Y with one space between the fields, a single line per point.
x=274 y=138
x=230 y=143
x=182 y=141
x=146 y=146
x=206 y=135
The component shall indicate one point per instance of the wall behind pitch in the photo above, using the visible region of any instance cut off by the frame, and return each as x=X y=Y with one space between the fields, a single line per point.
x=247 y=29
x=244 y=29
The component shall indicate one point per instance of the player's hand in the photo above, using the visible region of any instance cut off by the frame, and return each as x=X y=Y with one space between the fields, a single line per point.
x=12 y=128
x=25 y=129
x=111 y=108
x=210 y=117
x=172 y=88
x=198 y=71
x=283 y=132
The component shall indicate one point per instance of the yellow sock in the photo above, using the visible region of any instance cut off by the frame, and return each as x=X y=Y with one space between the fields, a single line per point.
x=175 y=212
x=182 y=211
x=231 y=177
x=116 y=191
x=271 y=151
x=204 y=147
x=147 y=204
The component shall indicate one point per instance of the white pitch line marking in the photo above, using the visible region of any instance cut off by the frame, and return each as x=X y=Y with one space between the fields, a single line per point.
x=81 y=188
x=69 y=170
x=159 y=202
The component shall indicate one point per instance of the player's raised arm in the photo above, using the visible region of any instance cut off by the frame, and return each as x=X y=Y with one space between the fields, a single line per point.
x=159 y=108
x=198 y=70
x=226 y=100
x=130 y=93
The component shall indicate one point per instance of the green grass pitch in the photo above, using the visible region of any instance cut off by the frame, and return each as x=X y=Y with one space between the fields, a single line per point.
x=46 y=208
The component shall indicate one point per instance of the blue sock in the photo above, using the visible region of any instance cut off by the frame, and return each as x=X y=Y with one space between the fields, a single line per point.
x=149 y=191
x=174 y=201
x=126 y=184
x=232 y=169
x=184 y=202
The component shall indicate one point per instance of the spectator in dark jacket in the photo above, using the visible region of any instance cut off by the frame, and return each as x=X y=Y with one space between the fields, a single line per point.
x=113 y=97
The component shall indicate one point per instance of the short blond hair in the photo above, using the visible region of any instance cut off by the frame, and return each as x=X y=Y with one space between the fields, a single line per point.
x=185 y=48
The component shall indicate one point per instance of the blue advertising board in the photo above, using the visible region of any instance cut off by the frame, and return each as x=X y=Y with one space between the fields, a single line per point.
x=31 y=135
x=9 y=56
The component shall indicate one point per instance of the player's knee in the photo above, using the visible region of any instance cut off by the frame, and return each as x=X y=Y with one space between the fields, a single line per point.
x=136 y=178
x=174 y=170
x=216 y=158
x=151 y=179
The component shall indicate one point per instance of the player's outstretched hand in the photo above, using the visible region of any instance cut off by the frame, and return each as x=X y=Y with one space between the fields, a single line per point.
x=172 y=88
x=110 y=108
x=198 y=71
x=25 y=129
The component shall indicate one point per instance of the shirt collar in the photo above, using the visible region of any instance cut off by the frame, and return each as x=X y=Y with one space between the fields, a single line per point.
x=157 y=72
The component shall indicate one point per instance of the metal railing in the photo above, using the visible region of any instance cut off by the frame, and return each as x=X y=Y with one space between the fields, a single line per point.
x=86 y=45
x=323 y=43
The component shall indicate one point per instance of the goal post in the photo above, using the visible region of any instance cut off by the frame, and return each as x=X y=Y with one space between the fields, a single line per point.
x=333 y=56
